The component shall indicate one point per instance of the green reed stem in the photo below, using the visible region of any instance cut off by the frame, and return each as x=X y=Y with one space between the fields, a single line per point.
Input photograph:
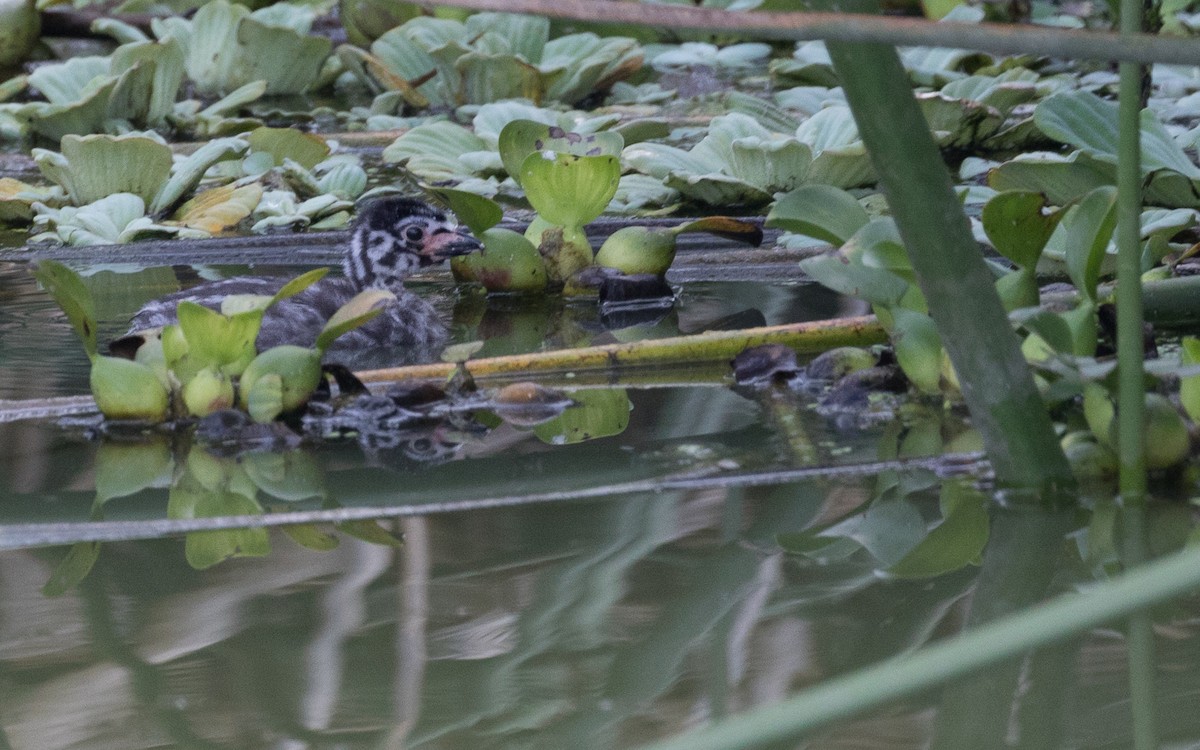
x=1131 y=439
x=996 y=382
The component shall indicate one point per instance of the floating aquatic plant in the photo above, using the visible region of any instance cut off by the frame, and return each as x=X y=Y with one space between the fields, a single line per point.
x=134 y=87
x=489 y=57
x=208 y=360
x=1089 y=124
x=227 y=46
x=134 y=175
x=872 y=265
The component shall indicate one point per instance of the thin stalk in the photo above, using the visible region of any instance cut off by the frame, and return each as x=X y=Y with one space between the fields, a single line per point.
x=910 y=674
x=996 y=381
x=1131 y=439
x=1004 y=39
x=712 y=346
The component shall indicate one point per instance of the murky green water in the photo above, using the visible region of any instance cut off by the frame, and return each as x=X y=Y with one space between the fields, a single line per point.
x=599 y=594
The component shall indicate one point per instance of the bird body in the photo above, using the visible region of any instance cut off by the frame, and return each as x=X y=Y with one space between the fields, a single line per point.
x=391 y=238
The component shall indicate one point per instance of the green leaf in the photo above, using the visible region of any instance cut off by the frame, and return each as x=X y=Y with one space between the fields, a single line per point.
x=508 y=263
x=124 y=469
x=72 y=569
x=521 y=138
x=310 y=536
x=222 y=342
x=957 y=542
x=1018 y=289
x=125 y=389
x=306 y=149
x=1189 y=387
x=1016 y=226
x=204 y=549
x=1051 y=328
x=191 y=170
x=487 y=78
x=432 y=150
x=570 y=190
x=370 y=531
x=290 y=476
x=73 y=297
x=361 y=308
x=477 y=212
x=262 y=397
x=918 y=348
x=1087 y=229
x=888 y=530
x=92 y=167
x=154 y=99
x=1084 y=120
x=821 y=211
x=299 y=284
x=597 y=413
x=1061 y=180
x=838 y=273
x=525 y=35
x=289 y=374
x=229 y=47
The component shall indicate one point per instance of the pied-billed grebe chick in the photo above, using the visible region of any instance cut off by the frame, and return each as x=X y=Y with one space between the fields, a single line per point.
x=391 y=238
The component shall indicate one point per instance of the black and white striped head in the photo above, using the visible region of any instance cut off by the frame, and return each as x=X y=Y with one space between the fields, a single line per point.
x=395 y=236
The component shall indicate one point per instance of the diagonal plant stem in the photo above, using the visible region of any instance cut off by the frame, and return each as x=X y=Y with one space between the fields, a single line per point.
x=996 y=383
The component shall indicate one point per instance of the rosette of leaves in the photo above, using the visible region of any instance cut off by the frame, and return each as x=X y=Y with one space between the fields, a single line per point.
x=118 y=185
x=443 y=151
x=872 y=264
x=208 y=360
x=136 y=86
x=741 y=163
x=1089 y=124
x=226 y=46
x=569 y=178
x=437 y=62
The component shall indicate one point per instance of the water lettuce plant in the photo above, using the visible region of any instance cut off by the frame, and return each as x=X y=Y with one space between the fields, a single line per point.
x=208 y=360
x=437 y=62
x=134 y=87
x=569 y=178
x=872 y=265
x=1087 y=123
x=228 y=46
x=111 y=189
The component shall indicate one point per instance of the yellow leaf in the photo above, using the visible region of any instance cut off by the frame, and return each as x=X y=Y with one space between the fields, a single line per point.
x=219 y=208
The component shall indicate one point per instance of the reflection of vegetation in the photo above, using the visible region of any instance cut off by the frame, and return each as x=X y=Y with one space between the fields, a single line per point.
x=894 y=527
x=204 y=485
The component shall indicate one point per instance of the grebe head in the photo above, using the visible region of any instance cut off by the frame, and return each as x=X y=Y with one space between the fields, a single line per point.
x=395 y=236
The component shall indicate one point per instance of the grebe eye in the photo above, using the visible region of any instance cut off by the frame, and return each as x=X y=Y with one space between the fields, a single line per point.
x=414 y=233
